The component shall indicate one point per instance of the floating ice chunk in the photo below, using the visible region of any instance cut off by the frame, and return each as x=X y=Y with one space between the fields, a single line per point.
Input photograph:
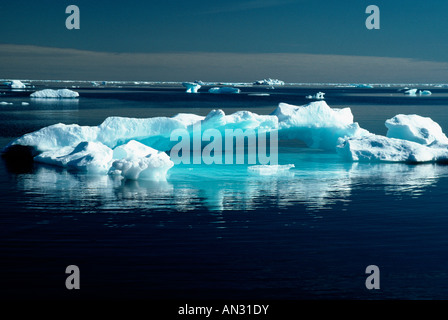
x=318 y=125
x=411 y=92
x=317 y=96
x=16 y=84
x=92 y=157
x=25 y=103
x=415 y=128
x=375 y=148
x=192 y=87
x=269 y=170
x=224 y=90
x=55 y=94
x=153 y=167
x=4 y=103
x=424 y=92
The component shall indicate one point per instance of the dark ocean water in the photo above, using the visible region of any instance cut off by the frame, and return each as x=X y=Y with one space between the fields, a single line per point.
x=217 y=232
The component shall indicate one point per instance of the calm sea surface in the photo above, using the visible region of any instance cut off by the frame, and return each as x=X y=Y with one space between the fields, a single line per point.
x=217 y=232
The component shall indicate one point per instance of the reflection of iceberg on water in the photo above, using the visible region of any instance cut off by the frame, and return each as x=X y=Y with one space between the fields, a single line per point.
x=224 y=90
x=269 y=170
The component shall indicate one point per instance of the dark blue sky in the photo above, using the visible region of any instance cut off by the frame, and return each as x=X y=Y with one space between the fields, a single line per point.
x=409 y=29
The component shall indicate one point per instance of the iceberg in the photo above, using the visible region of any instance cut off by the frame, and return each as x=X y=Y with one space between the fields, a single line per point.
x=16 y=84
x=415 y=128
x=192 y=87
x=269 y=82
x=317 y=96
x=424 y=92
x=224 y=90
x=375 y=148
x=55 y=94
x=133 y=148
x=411 y=92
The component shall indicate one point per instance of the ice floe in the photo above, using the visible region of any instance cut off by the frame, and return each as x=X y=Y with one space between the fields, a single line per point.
x=55 y=94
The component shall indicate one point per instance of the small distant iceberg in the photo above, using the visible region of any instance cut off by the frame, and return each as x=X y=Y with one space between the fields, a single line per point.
x=269 y=82
x=317 y=96
x=362 y=85
x=411 y=92
x=414 y=92
x=224 y=90
x=55 y=94
x=15 y=84
x=192 y=87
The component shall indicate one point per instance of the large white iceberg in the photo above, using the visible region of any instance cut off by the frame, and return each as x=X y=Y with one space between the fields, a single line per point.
x=224 y=90
x=55 y=94
x=192 y=87
x=136 y=148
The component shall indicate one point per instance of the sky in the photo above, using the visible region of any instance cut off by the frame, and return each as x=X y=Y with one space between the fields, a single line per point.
x=209 y=40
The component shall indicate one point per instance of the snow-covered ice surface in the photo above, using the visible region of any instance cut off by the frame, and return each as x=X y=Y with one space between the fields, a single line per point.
x=55 y=94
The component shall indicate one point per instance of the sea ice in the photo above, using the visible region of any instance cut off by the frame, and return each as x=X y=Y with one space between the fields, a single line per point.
x=192 y=87
x=55 y=94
